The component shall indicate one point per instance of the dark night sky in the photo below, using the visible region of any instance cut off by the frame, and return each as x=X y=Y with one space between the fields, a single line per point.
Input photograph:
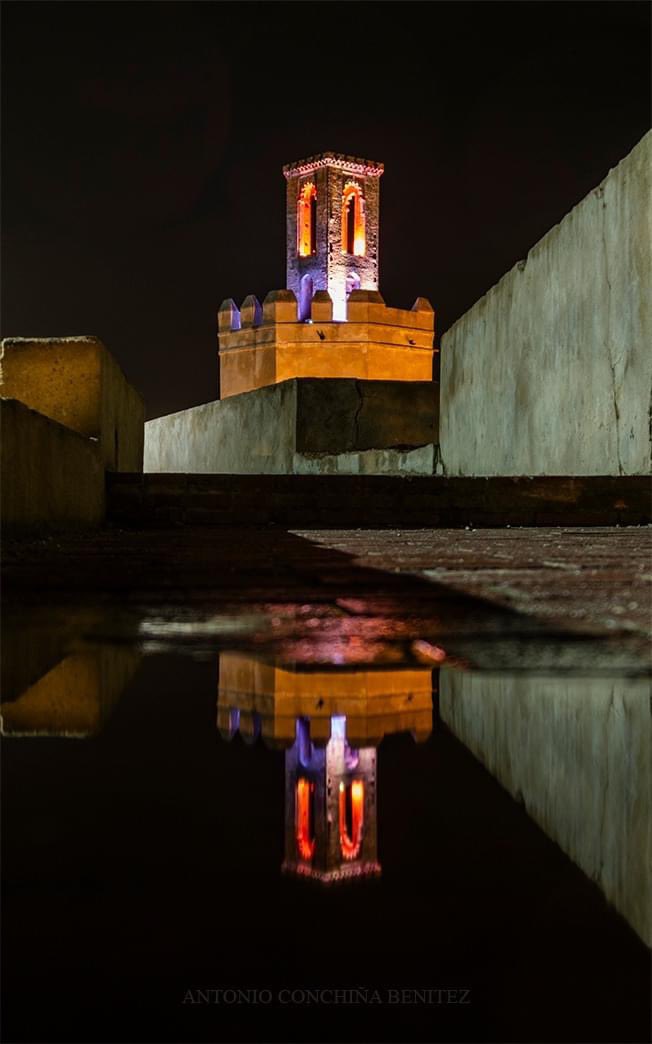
x=143 y=144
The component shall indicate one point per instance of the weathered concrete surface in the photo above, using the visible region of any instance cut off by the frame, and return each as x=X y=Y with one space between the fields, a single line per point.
x=551 y=371
x=247 y=433
x=578 y=753
x=52 y=477
x=302 y=426
x=77 y=382
x=419 y=461
x=343 y=416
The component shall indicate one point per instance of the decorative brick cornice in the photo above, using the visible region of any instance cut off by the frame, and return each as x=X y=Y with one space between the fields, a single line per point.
x=348 y=164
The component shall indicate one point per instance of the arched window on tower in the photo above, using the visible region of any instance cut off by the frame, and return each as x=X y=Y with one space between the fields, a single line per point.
x=304 y=818
x=353 y=222
x=307 y=220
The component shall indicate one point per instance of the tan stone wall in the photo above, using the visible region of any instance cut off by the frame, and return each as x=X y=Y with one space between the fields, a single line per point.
x=77 y=382
x=60 y=378
x=52 y=477
x=123 y=419
x=550 y=373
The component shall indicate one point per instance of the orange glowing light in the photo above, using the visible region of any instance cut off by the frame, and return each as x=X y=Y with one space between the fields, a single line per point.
x=307 y=220
x=350 y=843
x=353 y=220
x=303 y=819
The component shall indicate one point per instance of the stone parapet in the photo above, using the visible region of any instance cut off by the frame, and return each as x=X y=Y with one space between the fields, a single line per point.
x=52 y=477
x=263 y=345
x=76 y=382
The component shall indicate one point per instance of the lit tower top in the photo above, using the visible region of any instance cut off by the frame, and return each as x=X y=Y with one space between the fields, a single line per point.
x=330 y=320
x=332 y=228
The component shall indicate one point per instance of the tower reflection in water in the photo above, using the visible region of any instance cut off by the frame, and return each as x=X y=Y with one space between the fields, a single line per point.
x=330 y=723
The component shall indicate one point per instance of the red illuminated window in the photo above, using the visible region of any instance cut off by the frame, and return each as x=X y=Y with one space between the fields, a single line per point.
x=307 y=220
x=353 y=220
x=351 y=818
x=304 y=819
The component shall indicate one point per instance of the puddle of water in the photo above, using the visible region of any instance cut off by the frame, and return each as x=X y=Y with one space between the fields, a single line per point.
x=321 y=823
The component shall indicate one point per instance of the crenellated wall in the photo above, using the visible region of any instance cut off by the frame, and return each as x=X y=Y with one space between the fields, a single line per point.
x=263 y=345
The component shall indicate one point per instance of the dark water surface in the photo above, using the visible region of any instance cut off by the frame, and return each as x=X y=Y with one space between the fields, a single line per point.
x=390 y=846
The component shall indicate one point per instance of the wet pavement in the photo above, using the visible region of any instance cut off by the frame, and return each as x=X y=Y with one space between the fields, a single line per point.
x=328 y=785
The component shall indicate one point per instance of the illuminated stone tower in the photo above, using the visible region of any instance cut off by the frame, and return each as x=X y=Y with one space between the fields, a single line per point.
x=330 y=320
x=332 y=228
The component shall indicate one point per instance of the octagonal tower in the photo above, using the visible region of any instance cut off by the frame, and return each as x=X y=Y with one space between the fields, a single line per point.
x=332 y=228
x=330 y=320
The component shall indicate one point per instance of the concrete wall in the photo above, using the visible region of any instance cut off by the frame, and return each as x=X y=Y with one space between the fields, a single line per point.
x=419 y=461
x=77 y=382
x=551 y=371
x=122 y=419
x=578 y=753
x=246 y=433
x=302 y=427
x=51 y=476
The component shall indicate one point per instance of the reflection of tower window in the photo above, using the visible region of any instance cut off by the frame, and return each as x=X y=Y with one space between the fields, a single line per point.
x=307 y=220
x=305 y=818
x=353 y=220
x=351 y=818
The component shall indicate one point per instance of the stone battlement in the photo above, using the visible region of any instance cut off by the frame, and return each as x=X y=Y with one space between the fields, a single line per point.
x=265 y=344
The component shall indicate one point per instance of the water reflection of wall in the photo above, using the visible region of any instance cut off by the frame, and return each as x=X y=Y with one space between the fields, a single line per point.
x=330 y=722
x=74 y=697
x=578 y=753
